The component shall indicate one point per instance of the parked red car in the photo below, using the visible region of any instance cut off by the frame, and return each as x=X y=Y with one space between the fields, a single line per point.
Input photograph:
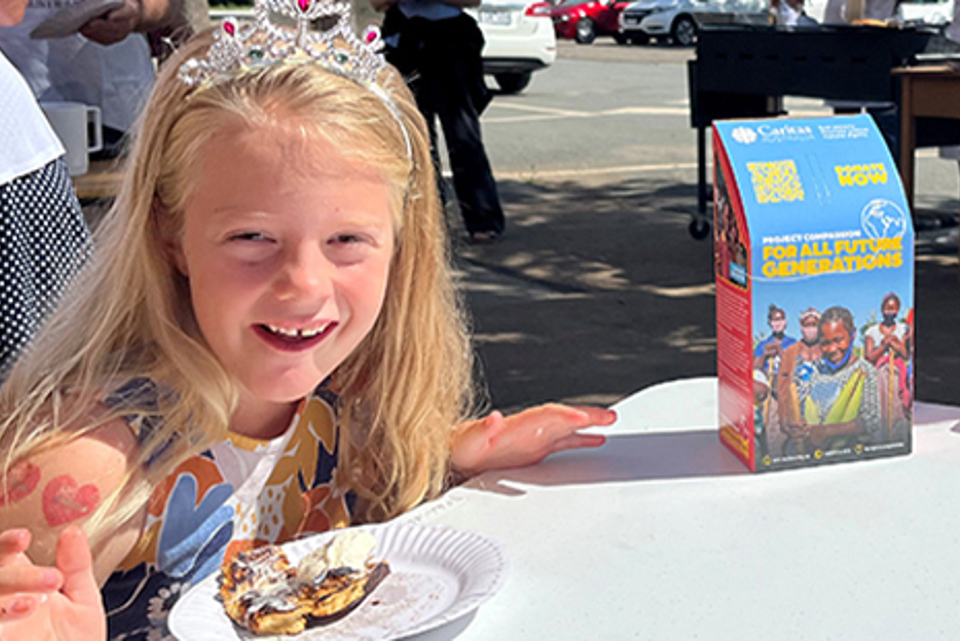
x=584 y=21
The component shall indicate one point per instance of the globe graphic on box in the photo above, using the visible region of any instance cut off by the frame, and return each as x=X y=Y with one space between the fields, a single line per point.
x=881 y=218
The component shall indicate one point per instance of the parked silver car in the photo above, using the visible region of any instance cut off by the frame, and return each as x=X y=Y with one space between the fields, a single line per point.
x=680 y=20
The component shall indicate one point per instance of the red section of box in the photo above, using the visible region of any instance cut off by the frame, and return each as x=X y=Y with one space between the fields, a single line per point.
x=734 y=340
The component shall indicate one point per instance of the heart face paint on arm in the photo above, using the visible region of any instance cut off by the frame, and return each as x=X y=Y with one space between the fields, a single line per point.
x=21 y=481
x=65 y=500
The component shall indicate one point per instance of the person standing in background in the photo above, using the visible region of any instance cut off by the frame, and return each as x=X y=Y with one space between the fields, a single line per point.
x=790 y=13
x=43 y=237
x=437 y=47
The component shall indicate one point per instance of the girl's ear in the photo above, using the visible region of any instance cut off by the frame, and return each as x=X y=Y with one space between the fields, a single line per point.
x=169 y=236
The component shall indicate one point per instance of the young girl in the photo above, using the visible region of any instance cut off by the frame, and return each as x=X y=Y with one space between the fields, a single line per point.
x=267 y=344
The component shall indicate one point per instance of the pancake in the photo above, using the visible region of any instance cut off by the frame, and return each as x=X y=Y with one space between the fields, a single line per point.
x=263 y=593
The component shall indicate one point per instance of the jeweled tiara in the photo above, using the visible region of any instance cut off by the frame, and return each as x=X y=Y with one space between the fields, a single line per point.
x=315 y=31
x=320 y=31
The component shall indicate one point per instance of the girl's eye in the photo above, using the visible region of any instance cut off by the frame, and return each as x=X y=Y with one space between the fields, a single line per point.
x=346 y=239
x=251 y=236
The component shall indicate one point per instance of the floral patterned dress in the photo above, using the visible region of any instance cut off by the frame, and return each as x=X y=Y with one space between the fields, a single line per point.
x=239 y=494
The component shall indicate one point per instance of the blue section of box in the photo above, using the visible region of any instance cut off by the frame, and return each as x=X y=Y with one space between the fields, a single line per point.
x=821 y=186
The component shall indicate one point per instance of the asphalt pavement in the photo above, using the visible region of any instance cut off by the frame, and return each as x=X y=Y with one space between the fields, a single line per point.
x=598 y=290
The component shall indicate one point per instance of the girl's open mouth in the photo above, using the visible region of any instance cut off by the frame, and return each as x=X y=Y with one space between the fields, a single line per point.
x=293 y=340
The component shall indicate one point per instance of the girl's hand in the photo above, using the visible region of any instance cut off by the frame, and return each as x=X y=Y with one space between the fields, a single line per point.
x=49 y=604
x=499 y=441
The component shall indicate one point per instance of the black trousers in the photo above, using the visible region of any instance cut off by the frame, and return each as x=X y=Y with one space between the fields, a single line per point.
x=441 y=61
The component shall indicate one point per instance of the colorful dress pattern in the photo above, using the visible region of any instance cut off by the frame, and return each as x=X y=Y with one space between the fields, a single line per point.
x=842 y=395
x=239 y=494
x=896 y=395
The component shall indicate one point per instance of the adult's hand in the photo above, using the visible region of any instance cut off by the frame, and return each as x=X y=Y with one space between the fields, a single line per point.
x=381 y=5
x=116 y=24
x=499 y=441
x=49 y=604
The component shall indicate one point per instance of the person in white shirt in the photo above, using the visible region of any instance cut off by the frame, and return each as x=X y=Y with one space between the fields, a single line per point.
x=790 y=13
x=107 y=63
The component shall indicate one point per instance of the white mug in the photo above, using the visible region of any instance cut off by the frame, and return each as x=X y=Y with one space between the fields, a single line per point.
x=75 y=124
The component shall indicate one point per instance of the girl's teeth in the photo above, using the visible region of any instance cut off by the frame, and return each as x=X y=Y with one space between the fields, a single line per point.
x=295 y=333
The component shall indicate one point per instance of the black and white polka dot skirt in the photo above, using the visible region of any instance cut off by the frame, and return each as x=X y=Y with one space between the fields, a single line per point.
x=43 y=242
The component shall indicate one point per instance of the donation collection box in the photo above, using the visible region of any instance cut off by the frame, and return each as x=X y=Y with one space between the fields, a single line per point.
x=813 y=247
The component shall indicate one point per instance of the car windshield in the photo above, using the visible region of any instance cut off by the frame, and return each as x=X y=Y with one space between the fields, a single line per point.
x=571 y=3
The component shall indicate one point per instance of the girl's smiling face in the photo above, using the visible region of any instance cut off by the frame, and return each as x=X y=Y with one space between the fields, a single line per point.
x=287 y=247
x=891 y=306
x=834 y=341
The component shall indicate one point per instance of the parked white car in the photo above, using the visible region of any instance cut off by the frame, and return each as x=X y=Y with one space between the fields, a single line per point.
x=680 y=20
x=519 y=40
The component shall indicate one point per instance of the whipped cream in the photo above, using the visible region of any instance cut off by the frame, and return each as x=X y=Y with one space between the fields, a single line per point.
x=349 y=549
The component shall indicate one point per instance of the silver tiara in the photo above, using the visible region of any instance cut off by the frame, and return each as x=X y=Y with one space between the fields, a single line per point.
x=320 y=31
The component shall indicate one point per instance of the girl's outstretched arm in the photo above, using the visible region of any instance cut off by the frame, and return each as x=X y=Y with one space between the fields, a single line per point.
x=45 y=603
x=499 y=441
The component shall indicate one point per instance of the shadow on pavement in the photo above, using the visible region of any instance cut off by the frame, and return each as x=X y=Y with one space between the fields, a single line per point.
x=598 y=290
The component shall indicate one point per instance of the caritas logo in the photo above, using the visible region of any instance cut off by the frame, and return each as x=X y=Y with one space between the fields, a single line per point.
x=744 y=135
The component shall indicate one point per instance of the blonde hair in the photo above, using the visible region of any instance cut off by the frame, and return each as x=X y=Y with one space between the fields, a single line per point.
x=129 y=316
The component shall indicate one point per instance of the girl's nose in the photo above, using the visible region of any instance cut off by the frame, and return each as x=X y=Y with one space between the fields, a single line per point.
x=306 y=274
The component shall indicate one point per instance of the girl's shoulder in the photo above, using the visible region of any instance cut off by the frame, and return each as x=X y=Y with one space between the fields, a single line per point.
x=68 y=481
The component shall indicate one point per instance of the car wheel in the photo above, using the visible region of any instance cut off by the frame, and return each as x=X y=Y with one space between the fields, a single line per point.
x=513 y=82
x=684 y=31
x=586 y=32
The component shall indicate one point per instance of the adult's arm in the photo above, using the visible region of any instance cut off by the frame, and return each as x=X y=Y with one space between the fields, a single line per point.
x=133 y=16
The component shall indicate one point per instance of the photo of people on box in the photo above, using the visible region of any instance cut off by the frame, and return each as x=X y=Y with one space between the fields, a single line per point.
x=838 y=387
x=731 y=253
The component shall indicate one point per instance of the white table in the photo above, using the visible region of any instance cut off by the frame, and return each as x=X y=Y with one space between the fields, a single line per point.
x=663 y=534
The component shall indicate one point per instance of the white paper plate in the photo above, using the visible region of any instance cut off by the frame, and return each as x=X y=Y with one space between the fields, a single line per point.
x=69 y=19
x=436 y=576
